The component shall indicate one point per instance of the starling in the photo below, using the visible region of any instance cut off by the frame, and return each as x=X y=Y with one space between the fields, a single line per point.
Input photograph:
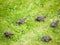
x=54 y=24
x=8 y=34
x=21 y=21
x=46 y=38
x=40 y=18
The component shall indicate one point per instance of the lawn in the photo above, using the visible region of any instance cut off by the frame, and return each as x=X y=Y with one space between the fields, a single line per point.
x=30 y=32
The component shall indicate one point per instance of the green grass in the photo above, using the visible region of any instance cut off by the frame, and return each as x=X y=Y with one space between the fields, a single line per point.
x=31 y=31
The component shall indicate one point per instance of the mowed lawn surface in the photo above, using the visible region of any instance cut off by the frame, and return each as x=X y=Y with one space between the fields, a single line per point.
x=30 y=32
